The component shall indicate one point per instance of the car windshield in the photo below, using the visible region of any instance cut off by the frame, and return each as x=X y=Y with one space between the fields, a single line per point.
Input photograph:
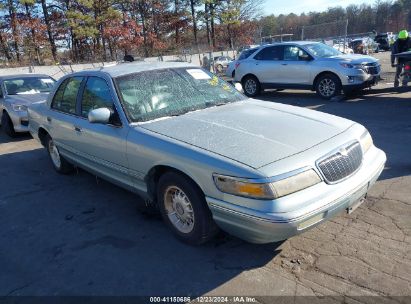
x=322 y=50
x=28 y=85
x=171 y=92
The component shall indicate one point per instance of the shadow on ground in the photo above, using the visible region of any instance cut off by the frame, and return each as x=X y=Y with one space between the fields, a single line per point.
x=78 y=235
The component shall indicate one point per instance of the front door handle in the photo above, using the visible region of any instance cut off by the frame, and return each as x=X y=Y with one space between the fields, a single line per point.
x=284 y=64
x=77 y=129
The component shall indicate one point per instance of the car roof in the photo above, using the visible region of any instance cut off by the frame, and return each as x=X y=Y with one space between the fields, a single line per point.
x=290 y=43
x=6 y=77
x=135 y=67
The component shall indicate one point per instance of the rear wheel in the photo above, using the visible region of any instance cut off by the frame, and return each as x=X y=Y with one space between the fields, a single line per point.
x=59 y=162
x=184 y=209
x=251 y=86
x=328 y=86
x=7 y=125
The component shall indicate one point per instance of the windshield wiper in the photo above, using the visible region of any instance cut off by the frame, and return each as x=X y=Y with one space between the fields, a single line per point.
x=179 y=114
x=216 y=104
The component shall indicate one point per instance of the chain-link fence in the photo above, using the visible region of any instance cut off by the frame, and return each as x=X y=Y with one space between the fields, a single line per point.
x=326 y=31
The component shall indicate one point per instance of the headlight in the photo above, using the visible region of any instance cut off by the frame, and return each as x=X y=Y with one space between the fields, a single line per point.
x=366 y=142
x=19 y=107
x=269 y=190
x=351 y=66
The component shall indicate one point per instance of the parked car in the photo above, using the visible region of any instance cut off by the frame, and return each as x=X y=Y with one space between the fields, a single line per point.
x=345 y=49
x=383 y=41
x=230 y=71
x=364 y=46
x=306 y=65
x=221 y=63
x=206 y=155
x=16 y=93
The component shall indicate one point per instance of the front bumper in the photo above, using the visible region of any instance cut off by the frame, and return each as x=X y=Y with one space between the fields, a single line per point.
x=260 y=227
x=358 y=85
x=20 y=121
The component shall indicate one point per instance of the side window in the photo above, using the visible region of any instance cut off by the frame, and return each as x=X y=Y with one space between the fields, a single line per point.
x=66 y=96
x=96 y=95
x=270 y=53
x=294 y=53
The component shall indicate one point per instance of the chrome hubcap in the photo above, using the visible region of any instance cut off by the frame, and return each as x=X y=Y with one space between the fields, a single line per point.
x=54 y=154
x=250 y=86
x=179 y=209
x=327 y=87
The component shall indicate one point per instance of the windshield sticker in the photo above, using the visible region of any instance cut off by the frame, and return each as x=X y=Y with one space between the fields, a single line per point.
x=47 y=80
x=198 y=74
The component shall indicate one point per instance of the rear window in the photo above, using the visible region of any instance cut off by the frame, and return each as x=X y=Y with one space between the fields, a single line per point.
x=247 y=53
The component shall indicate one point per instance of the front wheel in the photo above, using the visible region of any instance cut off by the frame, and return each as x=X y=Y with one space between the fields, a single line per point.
x=7 y=125
x=184 y=209
x=60 y=164
x=328 y=86
x=251 y=85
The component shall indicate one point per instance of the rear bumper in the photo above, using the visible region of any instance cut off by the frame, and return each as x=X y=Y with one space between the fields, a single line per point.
x=262 y=227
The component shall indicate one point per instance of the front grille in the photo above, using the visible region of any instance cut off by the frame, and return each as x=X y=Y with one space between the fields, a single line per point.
x=372 y=68
x=342 y=163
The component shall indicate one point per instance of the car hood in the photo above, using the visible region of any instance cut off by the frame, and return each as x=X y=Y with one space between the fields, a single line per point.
x=251 y=132
x=26 y=99
x=353 y=58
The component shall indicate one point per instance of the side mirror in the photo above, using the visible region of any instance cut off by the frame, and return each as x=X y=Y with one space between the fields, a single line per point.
x=101 y=115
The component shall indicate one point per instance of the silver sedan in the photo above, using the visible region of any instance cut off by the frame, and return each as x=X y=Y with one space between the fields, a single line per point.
x=16 y=93
x=204 y=154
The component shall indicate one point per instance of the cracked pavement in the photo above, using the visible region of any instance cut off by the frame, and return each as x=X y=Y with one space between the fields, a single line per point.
x=78 y=235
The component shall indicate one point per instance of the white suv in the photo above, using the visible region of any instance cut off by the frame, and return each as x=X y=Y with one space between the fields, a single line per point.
x=306 y=65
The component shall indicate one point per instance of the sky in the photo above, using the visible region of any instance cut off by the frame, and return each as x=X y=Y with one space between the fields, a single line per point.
x=277 y=7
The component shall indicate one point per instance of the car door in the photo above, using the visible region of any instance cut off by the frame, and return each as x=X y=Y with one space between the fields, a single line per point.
x=102 y=147
x=267 y=63
x=61 y=119
x=295 y=67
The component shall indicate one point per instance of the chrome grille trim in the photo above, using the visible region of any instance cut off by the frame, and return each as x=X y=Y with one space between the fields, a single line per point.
x=341 y=163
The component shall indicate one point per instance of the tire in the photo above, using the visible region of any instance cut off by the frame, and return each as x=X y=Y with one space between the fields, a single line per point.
x=328 y=86
x=233 y=74
x=184 y=209
x=251 y=86
x=60 y=164
x=7 y=125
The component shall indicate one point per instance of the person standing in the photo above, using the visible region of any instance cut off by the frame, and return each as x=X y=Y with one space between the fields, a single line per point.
x=402 y=44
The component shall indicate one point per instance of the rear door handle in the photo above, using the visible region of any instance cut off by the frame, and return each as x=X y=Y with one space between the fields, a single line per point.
x=284 y=64
x=77 y=129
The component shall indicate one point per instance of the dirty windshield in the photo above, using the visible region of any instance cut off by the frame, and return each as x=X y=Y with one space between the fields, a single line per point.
x=322 y=50
x=28 y=85
x=171 y=92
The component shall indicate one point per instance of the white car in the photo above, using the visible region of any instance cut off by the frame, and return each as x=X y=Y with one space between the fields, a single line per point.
x=308 y=66
x=221 y=62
